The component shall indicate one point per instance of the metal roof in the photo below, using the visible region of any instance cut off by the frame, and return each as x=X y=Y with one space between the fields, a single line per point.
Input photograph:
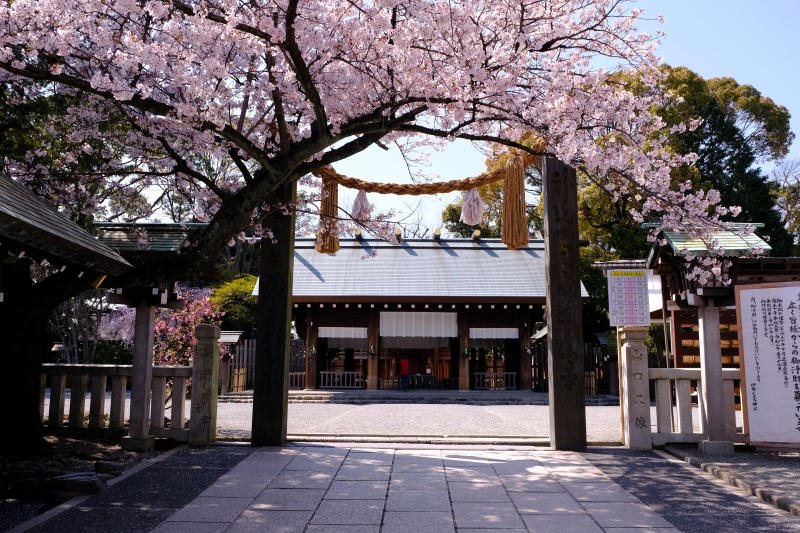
x=734 y=244
x=29 y=221
x=230 y=337
x=160 y=237
x=459 y=270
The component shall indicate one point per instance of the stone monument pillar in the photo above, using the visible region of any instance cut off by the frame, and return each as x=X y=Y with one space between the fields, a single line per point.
x=205 y=376
x=635 y=389
x=565 y=359
x=712 y=408
x=139 y=438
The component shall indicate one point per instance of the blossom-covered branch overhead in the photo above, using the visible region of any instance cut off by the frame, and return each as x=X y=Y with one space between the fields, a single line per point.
x=278 y=88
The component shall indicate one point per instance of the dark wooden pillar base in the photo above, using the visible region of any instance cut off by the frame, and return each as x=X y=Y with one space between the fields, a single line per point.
x=311 y=350
x=373 y=349
x=564 y=325
x=271 y=380
x=525 y=352
x=463 y=351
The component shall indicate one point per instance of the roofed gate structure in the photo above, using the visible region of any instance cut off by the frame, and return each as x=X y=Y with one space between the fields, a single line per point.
x=461 y=311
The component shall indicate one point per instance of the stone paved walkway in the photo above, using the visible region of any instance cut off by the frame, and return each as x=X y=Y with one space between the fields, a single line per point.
x=318 y=489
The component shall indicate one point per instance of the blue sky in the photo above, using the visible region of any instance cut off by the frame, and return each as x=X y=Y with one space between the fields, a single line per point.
x=757 y=42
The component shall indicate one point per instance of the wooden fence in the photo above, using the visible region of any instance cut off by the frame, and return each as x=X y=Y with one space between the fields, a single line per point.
x=598 y=363
x=241 y=367
x=495 y=380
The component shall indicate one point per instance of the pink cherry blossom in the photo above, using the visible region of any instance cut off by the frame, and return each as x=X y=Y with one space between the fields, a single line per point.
x=224 y=100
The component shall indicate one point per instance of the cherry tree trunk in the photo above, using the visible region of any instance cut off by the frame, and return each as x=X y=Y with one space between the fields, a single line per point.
x=271 y=380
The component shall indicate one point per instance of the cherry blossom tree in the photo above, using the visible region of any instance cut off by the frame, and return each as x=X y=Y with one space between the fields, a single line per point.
x=270 y=90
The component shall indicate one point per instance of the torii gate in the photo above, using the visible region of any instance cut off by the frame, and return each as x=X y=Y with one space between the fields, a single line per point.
x=565 y=349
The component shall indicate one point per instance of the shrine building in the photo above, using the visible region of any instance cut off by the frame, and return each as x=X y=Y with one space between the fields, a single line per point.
x=461 y=310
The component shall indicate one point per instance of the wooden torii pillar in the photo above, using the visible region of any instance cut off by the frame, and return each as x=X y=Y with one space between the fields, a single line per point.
x=564 y=323
x=271 y=380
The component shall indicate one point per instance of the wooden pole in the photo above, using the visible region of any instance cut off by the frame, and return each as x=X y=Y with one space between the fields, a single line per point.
x=311 y=350
x=463 y=351
x=564 y=326
x=373 y=349
x=525 y=352
x=271 y=372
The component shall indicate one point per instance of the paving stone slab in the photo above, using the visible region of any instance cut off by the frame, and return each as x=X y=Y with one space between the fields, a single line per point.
x=288 y=500
x=403 y=522
x=480 y=474
x=342 y=529
x=520 y=467
x=466 y=460
x=527 y=483
x=486 y=516
x=190 y=527
x=424 y=500
x=301 y=479
x=422 y=464
x=211 y=509
x=418 y=480
x=270 y=521
x=546 y=503
x=641 y=530
x=478 y=492
x=560 y=523
x=357 y=490
x=346 y=512
x=350 y=472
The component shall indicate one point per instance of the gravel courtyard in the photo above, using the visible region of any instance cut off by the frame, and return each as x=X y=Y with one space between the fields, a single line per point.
x=233 y=420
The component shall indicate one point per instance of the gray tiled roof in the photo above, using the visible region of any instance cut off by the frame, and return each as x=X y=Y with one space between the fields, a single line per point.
x=161 y=237
x=29 y=221
x=457 y=269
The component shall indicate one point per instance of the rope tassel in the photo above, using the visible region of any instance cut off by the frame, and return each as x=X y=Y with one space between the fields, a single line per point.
x=328 y=229
x=472 y=207
x=515 y=221
x=362 y=209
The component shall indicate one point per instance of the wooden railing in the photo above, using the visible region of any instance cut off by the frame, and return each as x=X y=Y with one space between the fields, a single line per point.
x=297 y=380
x=674 y=423
x=495 y=380
x=79 y=375
x=341 y=380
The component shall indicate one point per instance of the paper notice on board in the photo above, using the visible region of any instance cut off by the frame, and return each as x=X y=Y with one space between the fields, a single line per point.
x=628 y=299
x=770 y=350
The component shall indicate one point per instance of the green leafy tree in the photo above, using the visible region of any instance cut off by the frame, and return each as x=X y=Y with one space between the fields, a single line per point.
x=736 y=131
x=235 y=298
x=786 y=189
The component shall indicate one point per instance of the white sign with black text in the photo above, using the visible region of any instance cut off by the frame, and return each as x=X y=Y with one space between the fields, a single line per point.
x=769 y=340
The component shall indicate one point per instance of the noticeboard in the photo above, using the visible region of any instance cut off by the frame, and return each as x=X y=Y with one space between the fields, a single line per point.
x=769 y=343
x=628 y=303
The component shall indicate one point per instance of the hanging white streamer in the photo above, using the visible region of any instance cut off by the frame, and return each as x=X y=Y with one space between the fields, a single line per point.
x=362 y=209
x=472 y=207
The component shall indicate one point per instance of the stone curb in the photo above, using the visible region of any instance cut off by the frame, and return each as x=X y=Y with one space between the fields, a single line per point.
x=33 y=522
x=768 y=495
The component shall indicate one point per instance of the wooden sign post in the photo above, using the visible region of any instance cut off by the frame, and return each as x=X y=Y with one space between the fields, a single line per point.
x=769 y=343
